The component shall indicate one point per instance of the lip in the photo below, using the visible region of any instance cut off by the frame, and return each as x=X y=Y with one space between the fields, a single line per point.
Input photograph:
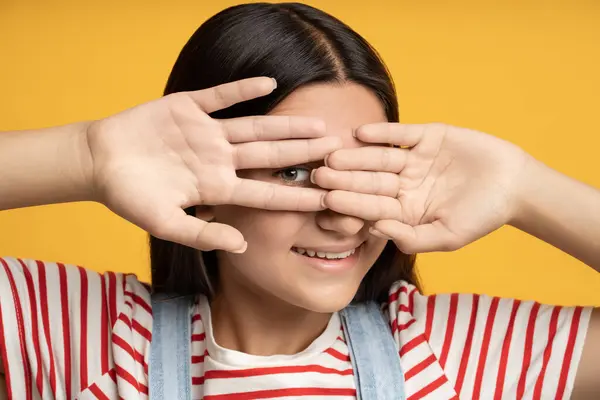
x=332 y=265
x=333 y=249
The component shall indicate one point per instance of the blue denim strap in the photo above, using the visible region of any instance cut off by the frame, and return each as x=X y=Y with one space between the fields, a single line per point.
x=373 y=352
x=170 y=355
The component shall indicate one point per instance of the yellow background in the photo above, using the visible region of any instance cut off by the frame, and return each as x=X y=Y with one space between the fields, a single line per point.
x=525 y=71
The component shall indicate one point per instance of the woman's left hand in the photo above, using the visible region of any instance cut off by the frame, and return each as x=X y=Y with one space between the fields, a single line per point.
x=445 y=188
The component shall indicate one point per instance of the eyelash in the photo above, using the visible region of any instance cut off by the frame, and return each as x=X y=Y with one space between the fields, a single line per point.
x=279 y=173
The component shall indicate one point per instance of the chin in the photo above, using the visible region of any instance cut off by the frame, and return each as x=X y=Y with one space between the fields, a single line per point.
x=324 y=300
x=328 y=307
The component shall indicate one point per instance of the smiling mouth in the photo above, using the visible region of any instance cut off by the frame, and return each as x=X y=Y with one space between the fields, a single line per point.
x=323 y=254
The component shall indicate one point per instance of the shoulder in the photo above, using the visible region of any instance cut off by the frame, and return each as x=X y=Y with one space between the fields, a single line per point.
x=69 y=321
x=64 y=280
x=41 y=286
x=486 y=345
x=442 y=316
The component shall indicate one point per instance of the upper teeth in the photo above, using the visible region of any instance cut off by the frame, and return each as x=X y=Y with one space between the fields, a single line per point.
x=323 y=254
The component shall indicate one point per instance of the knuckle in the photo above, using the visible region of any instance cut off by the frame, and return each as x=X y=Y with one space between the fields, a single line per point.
x=200 y=239
x=289 y=124
x=274 y=154
x=219 y=95
x=332 y=199
x=310 y=148
x=221 y=129
x=269 y=196
x=396 y=187
x=376 y=186
x=353 y=180
x=258 y=127
x=386 y=158
x=243 y=88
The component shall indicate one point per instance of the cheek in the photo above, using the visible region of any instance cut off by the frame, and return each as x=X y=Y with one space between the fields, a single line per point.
x=270 y=235
x=263 y=228
x=376 y=247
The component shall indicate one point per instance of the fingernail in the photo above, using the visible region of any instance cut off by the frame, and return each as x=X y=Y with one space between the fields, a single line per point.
x=323 y=201
x=354 y=132
x=274 y=83
x=375 y=232
x=312 y=176
x=325 y=160
x=243 y=249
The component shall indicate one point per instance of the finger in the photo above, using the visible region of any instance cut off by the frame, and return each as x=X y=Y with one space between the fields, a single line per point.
x=335 y=222
x=418 y=239
x=252 y=129
x=283 y=153
x=405 y=135
x=223 y=96
x=271 y=196
x=380 y=183
x=194 y=232
x=372 y=158
x=364 y=206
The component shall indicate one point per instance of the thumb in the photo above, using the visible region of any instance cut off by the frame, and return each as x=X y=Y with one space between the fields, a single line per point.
x=416 y=239
x=196 y=233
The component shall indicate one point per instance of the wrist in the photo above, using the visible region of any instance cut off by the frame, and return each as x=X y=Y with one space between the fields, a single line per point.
x=84 y=161
x=530 y=185
x=72 y=162
x=45 y=166
x=560 y=211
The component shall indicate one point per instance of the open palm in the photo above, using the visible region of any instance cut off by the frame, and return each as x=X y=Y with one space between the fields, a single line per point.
x=438 y=189
x=154 y=160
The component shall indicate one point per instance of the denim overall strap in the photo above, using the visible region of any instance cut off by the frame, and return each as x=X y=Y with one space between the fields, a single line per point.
x=373 y=352
x=170 y=355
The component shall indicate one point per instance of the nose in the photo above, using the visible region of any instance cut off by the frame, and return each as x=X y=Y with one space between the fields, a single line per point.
x=335 y=222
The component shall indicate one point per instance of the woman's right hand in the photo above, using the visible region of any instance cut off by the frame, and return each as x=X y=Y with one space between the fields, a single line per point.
x=151 y=162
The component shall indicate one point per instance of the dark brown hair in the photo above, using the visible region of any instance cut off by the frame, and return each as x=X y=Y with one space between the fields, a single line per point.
x=297 y=45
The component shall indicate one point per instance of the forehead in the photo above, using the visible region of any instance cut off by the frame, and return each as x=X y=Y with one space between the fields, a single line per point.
x=344 y=107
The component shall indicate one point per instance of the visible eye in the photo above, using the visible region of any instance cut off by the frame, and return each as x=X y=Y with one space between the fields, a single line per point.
x=294 y=175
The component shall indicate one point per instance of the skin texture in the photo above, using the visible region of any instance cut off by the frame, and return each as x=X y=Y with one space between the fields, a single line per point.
x=445 y=188
x=442 y=188
x=268 y=280
x=120 y=161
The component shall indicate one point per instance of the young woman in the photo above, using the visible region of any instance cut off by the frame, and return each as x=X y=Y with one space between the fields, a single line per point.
x=277 y=207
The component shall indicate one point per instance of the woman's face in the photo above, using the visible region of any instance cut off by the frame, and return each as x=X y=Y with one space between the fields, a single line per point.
x=316 y=260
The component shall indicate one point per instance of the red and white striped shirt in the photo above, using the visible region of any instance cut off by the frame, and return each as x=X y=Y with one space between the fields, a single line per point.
x=73 y=333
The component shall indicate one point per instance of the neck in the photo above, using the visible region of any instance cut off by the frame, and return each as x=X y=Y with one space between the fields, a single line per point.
x=247 y=320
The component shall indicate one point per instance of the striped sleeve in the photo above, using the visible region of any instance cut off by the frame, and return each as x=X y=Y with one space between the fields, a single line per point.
x=57 y=323
x=493 y=348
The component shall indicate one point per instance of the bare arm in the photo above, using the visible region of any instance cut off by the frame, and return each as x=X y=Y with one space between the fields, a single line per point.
x=151 y=162
x=560 y=211
x=44 y=166
x=566 y=214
